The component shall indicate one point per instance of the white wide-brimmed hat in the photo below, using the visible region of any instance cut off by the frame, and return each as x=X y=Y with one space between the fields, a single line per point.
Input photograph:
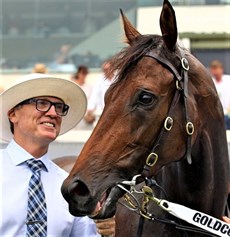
x=34 y=85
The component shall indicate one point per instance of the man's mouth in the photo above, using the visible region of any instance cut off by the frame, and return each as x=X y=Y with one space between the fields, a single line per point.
x=48 y=124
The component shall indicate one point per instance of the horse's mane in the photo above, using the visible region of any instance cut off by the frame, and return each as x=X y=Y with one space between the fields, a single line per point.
x=125 y=60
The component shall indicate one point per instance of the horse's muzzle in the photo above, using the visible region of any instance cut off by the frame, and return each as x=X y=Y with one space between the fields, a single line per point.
x=82 y=202
x=77 y=195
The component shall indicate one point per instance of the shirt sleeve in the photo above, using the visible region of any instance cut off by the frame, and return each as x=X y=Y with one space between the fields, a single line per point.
x=84 y=227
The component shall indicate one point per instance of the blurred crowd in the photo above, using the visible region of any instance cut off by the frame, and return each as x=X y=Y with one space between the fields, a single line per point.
x=95 y=91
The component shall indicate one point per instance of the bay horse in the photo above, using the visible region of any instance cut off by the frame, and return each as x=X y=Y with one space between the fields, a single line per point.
x=162 y=118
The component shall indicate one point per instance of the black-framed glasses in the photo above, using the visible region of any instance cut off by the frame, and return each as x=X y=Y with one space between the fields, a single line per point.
x=44 y=105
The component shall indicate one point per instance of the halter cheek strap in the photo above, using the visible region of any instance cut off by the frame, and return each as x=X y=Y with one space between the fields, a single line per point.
x=181 y=89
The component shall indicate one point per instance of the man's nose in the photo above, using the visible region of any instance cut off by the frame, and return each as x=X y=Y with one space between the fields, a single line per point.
x=52 y=111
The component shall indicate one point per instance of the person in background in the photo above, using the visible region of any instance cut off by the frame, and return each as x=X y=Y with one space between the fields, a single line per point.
x=80 y=78
x=1 y=89
x=96 y=100
x=222 y=83
x=42 y=107
x=39 y=68
x=62 y=56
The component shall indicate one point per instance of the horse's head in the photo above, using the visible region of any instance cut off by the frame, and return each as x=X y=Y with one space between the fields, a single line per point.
x=147 y=111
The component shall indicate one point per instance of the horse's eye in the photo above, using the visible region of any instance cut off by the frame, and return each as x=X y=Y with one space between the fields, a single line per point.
x=146 y=98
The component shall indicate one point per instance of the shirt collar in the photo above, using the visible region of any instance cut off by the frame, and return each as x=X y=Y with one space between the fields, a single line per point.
x=19 y=155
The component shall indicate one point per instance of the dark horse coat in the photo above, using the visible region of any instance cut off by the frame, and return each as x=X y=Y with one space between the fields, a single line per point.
x=149 y=75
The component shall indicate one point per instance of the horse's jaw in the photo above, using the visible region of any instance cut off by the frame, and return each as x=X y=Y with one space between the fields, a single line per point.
x=106 y=206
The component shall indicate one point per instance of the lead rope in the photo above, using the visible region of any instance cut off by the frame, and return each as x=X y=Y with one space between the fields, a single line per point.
x=179 y=211
x=151 y=183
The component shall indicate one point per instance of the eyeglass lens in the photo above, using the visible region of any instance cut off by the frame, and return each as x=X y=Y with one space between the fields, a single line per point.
x=44 y=106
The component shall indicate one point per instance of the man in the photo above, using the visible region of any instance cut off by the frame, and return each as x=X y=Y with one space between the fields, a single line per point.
x=33 y=113
x=222 y=83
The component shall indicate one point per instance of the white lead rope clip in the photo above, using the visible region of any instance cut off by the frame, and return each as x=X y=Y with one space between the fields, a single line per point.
x=196 y=218
x=199 y=219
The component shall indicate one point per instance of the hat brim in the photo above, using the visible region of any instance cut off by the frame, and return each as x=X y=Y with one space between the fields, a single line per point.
x=34 y=85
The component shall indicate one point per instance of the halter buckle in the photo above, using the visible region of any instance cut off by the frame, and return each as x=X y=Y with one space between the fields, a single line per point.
x=189 y=128
x=185 y=64
x=178 y=86
x=151 y=159
x=168 y=123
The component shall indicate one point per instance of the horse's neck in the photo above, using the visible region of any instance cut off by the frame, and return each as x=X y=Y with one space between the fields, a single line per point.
x=197 y=185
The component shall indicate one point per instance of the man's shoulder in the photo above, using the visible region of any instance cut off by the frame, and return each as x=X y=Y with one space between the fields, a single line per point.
x=61 y=173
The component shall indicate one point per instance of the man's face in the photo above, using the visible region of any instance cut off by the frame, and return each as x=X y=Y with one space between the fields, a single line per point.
x=217 y=72
x=38 y=126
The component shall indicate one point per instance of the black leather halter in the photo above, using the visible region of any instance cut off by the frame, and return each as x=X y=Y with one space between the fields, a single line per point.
x=181 y=89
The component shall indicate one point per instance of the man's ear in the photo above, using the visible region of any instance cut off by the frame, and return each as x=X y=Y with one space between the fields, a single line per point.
x=11 y=115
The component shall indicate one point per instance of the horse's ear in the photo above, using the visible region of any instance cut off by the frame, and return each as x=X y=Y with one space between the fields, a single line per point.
x=168 y=25
x=130 y=32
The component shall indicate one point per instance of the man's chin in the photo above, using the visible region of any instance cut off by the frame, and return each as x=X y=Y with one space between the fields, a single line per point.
x=49 y=136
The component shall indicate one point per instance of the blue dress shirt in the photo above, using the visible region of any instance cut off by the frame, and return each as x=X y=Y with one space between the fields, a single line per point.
x=15 y=176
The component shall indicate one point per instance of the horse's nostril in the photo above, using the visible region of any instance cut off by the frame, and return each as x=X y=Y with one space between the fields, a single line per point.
x=78 y=188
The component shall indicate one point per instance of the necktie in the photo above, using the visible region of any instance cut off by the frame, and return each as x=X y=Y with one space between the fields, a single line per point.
x=36 y=213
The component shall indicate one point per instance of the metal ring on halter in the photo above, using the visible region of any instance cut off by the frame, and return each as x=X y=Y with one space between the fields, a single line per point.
x=178 y=86
x=168 y=123
x=189 y=128
x=149 y=162
x=185 y=64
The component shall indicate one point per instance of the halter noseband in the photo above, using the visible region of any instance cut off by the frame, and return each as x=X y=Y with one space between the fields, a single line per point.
x=181 y=88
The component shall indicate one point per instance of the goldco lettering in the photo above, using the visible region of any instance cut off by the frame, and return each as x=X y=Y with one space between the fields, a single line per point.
x=211 y=223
